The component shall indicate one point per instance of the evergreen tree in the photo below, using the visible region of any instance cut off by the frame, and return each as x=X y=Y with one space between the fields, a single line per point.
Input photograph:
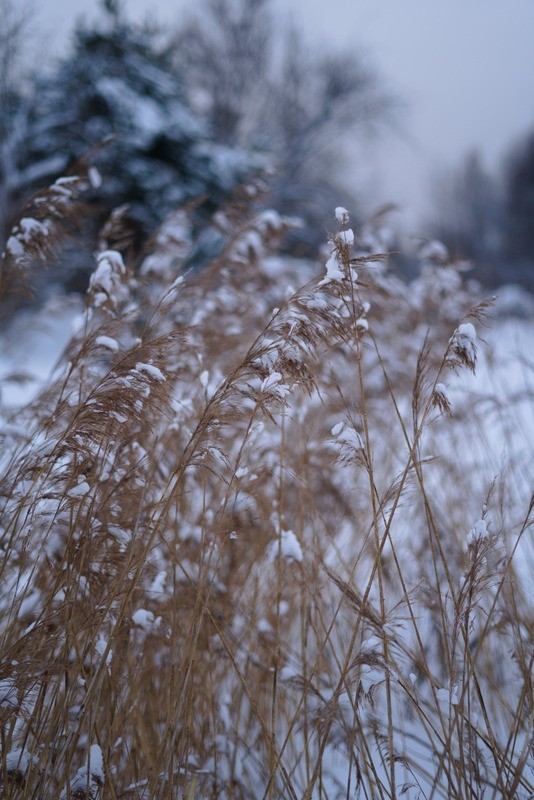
x=119 y=86
x=117 y=101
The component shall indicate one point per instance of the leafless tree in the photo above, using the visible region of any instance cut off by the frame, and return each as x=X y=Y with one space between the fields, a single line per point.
x=261 y=86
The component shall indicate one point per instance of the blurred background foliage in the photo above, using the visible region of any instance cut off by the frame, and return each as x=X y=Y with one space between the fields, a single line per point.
x=175 y=116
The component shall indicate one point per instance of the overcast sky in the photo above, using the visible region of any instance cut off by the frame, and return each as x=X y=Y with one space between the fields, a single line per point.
x=464 y=68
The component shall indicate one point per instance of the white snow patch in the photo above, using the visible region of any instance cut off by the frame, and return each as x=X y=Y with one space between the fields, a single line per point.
x=434 y=251
x=95 y=178
x=342 y=215
x=288 y=546
x=89 y=778
x=121 y=418
x=264 y=627
x=151 y=370
x=333 y=271
x=8 y=694
x=18 y=760
x=157 y=587
x=101 y=647
x=108 y=342
x=347 y=237
x=347 y=436
x=80 y=490
x=288 y=673
x=145 y=619
x=338 y=427
x=105 y=279
x=467 y=329
x=478 y=531
x=273 y=384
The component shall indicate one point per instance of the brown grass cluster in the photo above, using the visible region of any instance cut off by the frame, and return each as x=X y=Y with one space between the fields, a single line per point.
x=249 y=547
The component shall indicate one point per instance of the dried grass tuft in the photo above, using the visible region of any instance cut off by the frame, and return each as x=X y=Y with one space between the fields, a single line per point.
x=228 y=565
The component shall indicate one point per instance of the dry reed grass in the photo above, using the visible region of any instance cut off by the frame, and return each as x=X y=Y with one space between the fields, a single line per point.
x=229 y=568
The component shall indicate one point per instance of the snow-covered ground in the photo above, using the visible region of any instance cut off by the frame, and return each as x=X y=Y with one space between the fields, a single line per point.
x=504 y=380
x=31 y=346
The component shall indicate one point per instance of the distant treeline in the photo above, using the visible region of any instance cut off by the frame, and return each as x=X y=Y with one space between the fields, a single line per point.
x=489 y=219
